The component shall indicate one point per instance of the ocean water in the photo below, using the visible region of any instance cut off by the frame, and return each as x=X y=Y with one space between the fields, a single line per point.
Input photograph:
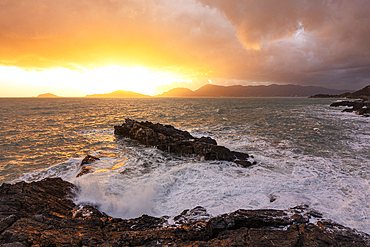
x=306 y=153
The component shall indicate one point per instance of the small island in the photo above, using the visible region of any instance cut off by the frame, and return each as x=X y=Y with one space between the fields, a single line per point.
x=48 y=95
x=118 y=94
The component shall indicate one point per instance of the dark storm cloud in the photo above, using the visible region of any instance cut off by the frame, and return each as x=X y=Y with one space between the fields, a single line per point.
x=309 y=42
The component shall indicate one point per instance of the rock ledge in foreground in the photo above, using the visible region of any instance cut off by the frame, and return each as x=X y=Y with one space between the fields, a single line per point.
x=169 y=139
x=43 y=214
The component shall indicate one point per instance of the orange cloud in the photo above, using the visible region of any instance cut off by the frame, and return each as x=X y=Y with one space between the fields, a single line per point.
x=310 y=42
x=95 y=33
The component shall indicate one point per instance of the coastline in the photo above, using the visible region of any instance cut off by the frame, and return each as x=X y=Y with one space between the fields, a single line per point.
x=109 y=162
x=43 y=213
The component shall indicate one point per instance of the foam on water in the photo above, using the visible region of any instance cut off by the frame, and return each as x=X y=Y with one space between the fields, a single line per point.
x=307 y=154
x=65 y=170
x=115 y=197
x=147 y=181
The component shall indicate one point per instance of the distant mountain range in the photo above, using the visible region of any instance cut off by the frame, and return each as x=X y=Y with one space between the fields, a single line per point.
x=211 y=90
x=118 y=94
x=273 y=90
x=362 y=93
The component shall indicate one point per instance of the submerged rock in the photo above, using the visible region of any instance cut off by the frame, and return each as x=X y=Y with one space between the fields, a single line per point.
x=43 y=214
x=169 y=139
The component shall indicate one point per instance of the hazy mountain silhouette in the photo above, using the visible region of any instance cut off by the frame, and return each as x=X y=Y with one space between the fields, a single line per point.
x=364 y=92
x=178 y=92
x=360 y=93
x=118 y=94
x=273 y=90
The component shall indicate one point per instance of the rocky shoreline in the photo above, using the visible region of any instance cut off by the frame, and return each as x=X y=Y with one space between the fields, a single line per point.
x=360 y=103
x=182 y=143
x=43 y=214
x=360 y=107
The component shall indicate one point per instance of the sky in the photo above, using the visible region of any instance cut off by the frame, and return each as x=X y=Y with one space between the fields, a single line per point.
x=74 y=48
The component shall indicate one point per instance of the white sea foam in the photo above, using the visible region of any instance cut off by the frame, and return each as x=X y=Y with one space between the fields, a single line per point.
x=65 y=170
x=113 y=197
x=312 y=155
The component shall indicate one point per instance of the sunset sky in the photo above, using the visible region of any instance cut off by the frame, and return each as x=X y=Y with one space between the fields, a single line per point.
x=74 y=48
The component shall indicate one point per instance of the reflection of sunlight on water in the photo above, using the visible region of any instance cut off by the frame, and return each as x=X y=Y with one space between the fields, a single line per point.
x=115 y=167
x=304 y=149
x=104 y=135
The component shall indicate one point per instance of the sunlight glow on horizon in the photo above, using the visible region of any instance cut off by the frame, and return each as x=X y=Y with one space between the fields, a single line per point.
x=86 y=81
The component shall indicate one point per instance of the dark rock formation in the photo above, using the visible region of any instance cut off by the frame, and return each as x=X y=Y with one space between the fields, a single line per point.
x=361 y=107
x=85 y=169
x=169 y=139
x=88 y=160
x=42 y=214
x=343 y=95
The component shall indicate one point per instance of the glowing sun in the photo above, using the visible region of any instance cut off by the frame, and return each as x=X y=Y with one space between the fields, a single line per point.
x=86 y=81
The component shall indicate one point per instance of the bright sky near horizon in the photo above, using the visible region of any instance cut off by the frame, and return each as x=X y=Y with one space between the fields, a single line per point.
x=74 y=48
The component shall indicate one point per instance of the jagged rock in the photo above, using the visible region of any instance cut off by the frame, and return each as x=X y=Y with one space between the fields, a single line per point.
x=364 y=111
x=88 y=160
x=169 y=139
x=48 y=197
x=361 y=107
x=85 y=169
x=189 y=216
x=43 y=214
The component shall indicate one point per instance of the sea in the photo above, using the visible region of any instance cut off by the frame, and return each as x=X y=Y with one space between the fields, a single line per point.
x=307 y=153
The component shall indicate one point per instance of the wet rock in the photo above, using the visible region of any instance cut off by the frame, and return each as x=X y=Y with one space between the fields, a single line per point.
x=253 y=219
x=47 y=197
x=360 y=107
x=43 y=214
x=7 y=221
x=39 y=218
x=85 y=169
x=208 y=140
x=273 y=197
x=189 y=216
x=88 y=160
x=171 y=140
x=364 y=111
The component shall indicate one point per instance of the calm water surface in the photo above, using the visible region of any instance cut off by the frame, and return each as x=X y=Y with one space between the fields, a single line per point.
x=307 y=153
